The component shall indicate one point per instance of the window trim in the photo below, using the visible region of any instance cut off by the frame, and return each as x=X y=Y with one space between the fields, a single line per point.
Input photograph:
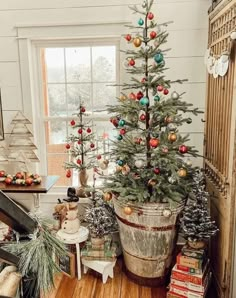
x=30 y=37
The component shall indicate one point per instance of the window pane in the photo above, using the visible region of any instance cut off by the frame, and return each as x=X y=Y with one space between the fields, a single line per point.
x=55 y=65
x=56 y=100
x=56 y=131
x=56 y=166
x=104 y=63
x=78 y=64
x=78 y=93
x=103 y=95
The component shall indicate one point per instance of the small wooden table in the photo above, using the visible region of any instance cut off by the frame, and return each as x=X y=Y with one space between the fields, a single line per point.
x=46 y=183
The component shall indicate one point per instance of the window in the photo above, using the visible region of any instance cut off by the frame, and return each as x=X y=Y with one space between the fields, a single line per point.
x=70 y=75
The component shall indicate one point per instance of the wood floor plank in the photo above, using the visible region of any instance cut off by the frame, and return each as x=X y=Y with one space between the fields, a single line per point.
x=67 y=287
x=86 y=286
x=53 y=292
x=145 y=292
x=128 y=288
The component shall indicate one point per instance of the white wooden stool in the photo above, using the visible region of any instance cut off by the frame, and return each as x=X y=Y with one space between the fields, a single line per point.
x=76 y=238
x=103 y=267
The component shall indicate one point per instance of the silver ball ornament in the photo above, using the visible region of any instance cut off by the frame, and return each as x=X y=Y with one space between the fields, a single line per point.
x=171 y=180
x=144 y=4
x=139 y=163
x=167 y=213
x=174 y=95
x=188 y=162
x=171 y=127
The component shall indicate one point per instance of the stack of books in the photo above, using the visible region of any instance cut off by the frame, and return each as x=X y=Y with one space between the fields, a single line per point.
x=104 y=252
x=190 y=277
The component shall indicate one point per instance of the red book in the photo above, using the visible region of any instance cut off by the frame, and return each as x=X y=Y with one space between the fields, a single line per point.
x=197 y=279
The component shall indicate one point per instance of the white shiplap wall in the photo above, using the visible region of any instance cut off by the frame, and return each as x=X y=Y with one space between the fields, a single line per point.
x=188 y=40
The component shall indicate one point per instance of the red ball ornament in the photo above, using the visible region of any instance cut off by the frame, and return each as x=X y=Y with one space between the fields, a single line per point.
x=150 y=15
x=128 y=37
x=92 y=145
x=80 y=131
x=99 y=156
x=160 y=88
x=67 y=146
x=139 y=95
x=183 y=149
x=115 y=122
x=142 y=117
x=132 y=96
x=152 y=34
x=72 y=123
x=82 y=109
x=68 y=174
x=79 y=142
x=154 y=142
x=165 y=91
x=89 y=130
x=122 y=131
x=157 y=171
x=79 y=161
x=144 y=80
x=131 y=62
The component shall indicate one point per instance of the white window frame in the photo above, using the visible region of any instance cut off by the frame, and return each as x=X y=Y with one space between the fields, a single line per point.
x=33 y=37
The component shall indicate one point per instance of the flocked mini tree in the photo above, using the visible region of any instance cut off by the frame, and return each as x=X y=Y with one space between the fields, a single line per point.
x=196 y=223
x=150 y=152
x=80 y=146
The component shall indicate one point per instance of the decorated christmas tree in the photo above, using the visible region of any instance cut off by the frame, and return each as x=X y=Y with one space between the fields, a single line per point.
x=153 y=176
x=149 y=150
x=80 y=146
x=196 y=224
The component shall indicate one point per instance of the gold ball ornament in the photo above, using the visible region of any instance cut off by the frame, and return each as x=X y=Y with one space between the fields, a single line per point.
x=182 y=172
x=104 y=164
x=125 y=170
x=128 y=210
x=167 y=213
x=137 y=42
x=118 y=169
x=172 y=137
x=123 y=97
x=107 y=196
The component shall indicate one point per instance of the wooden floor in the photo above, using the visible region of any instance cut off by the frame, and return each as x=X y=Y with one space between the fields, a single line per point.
x=91 y=286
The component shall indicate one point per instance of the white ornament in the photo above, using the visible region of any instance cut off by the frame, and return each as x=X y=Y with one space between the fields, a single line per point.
x=223 y=65
x=210 y=64
x=188 y=162
x=174 y=95
x=139 y=163
x=233 y=35
x=167 y=213
x=172 y=126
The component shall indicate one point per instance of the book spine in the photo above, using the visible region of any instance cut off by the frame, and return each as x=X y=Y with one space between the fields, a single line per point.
x=189 y=262
x=187 y=277
x=188 y=269
x=193 y=254
x=185 y=293
x=188 y=285
x=173 y=295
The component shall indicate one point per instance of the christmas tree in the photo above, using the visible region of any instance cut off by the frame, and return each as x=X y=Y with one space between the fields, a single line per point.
x=149 y=151
x=196 y=224
x=80 y=147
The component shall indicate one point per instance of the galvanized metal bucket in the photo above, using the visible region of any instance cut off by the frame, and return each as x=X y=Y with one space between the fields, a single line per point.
x=148 y=237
